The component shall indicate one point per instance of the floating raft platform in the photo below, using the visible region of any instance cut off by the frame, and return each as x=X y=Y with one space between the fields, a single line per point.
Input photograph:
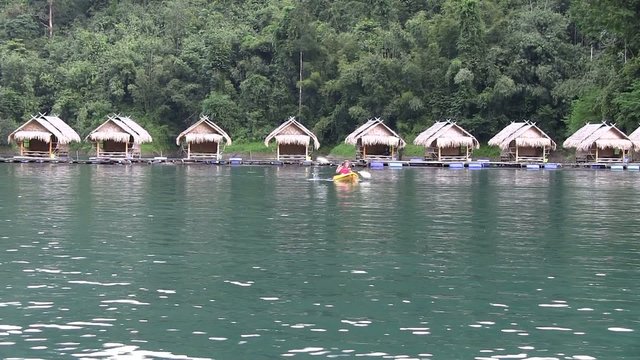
x=373 y=164
x=483 y=164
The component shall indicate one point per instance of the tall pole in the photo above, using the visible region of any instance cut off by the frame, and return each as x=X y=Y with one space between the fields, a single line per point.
x=50 y=18
x=300 y=89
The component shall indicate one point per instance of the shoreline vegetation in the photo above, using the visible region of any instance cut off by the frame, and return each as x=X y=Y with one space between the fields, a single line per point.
x=249 y=65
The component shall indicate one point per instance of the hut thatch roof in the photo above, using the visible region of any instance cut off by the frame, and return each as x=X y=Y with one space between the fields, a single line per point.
x=525 y=134
x=294 y=133
x=601 y=135
x=635 y=138
x=375 y=132
x=203 y=131
x=446 y=134
x=120 y=129
x=42 y=127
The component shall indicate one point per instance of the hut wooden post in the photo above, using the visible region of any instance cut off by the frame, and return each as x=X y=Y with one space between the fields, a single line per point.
x=21 y=148
x=544 y=153
x=306 y=152
x=364 y=152
x=50 y=147
x=517 y=153
x=278 y=152
x=97 y=148
x=596 y=153
x=188 y=150
x=439 y=153
x=467 y=157
x=126 y=150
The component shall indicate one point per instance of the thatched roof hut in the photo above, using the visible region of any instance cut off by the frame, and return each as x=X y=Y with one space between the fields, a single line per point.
x=203 y=140
x=600 y=143
x=292 y=140
x=523 y=141
x=119 y=136
x=44 y=136
x=375 y=140
x=635 y=138
x=446 y=140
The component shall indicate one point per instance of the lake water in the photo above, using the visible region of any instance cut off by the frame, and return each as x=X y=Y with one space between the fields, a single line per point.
x=179 y=262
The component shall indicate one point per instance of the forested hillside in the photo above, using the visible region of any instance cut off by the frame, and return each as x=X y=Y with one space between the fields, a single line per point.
x=484 y=63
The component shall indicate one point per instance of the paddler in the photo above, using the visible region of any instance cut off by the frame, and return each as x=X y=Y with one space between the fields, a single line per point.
x=344 y=168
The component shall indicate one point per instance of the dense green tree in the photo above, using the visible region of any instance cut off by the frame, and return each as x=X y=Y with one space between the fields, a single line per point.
x=247 y=63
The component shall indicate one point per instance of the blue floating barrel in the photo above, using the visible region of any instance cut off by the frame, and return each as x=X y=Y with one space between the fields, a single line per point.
x=633 y=167
x=376 y=165
x=617 y=167
x=551 y=166
x=533 y=167
x=395 y=165
x=476 y=165
x=235 y=161
x=456 y=165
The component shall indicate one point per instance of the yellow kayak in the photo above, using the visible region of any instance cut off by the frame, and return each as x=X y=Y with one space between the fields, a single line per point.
x=350 y=177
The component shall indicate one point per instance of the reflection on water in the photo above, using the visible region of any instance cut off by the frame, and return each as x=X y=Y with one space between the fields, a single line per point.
x=265 y=262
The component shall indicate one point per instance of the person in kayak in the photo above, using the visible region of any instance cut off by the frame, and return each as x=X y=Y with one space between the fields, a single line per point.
x=344 y=168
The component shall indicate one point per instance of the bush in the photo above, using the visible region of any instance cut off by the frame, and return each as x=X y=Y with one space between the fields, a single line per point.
x=250 y=147
x=343 y=151
x=485 y=151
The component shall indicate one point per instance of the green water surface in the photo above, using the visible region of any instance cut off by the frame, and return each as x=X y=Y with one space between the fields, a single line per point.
x=177 y=262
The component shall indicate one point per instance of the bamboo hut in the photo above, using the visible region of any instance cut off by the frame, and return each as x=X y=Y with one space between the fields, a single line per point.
x=447 y=141
x=292 y=141
x=203 y=140
x=119 y=137
x=44 y=136
x=523 y=142
x=375 y=141
x=635 y=139
x=599 y=143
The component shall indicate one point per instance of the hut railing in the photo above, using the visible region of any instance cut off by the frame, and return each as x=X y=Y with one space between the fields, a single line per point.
x=585 y=156
x=508 y=155
x=113 y=154
x=610 y=159
x=204 y=156
x=31 y=153
x=530 y=158
x=378 y=157
x=453 y=158
x=292 y=157
x=431 y=153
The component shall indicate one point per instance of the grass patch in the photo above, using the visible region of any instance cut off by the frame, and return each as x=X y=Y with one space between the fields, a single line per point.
x=343 y=150
x=492 y=152
x=250 y=147
x=412 y=151
x=349 y=151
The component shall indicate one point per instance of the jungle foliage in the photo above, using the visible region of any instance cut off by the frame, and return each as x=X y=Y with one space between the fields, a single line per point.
x=483 y=63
